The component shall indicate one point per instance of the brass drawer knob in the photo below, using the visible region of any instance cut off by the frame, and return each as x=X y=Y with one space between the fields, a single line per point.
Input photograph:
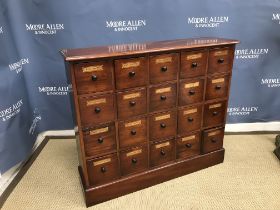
x=221 y=60
x=188 y=145
x=218 y=87
x=213 y=140
x=131 y=74
x=103 y=169
x=215 y=113
x=190 y=119
x=100 y=140
x=191 y=92
x=134 y=160
x=132 y=103
x=97 y=110
x=162 y=125
x=133 y=132
x=194 y=65
x=164 y=68
x=162 y=152
x=163 y=98
x=93 y=77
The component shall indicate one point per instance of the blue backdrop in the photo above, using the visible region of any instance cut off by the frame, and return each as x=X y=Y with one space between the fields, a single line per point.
x=33 y=89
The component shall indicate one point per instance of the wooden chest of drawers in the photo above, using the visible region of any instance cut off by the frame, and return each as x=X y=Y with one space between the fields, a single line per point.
x=148 y=113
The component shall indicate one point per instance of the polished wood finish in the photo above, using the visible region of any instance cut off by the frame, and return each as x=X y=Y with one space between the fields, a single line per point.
x=147 y=115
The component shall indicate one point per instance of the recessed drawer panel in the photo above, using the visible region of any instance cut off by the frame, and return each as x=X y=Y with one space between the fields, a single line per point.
x=212 y=140
x=193 y=64
x=131 y=72
x=191 y=91
x=132 y=103
x=162 y=152
x=100 y=139
x=134 y=160
x=217 y=87
x=96 y=109
x=94 y=76
x=103 y=169
x=132 y=132
x=188 y=145
x=189 y=119
x=163 y=67
x=163 y=125
x=214 y=114
x=220 y=60
x=163 y=97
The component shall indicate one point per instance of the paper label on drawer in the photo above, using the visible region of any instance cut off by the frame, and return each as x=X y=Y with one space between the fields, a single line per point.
x=97 y=131
x=163 y=90
x=220 y=80
x=130 y=124
x=191 y=85
x=165 y=144
x=194 y=56
x=92 y=68
x=130 y=64
x=96 y=101
x=215 y=106
x=214 y=133
x=190 y=111
x=100 y=162
x=162 y=117
x=135 y=152
x=132 y=95
x=164 y=60
x=222 y=52
x=188 y=138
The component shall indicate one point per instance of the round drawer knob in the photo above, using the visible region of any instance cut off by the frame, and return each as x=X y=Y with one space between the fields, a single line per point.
x=218 y=87
x=194 y=65
x=221 y=60
x=93 y=77
x=191 y=92
x=133 y=132
x=100 y=140
x=131 y=74
x=162 y=125
x=162 y=152
x=190 y=119
x=103 y=169
x=132 y=103
x=97 y=110
x=164 y=69
x=134 y=160
x=188 y=145
x=215 y=113
x=213 y=140
x=163 y=98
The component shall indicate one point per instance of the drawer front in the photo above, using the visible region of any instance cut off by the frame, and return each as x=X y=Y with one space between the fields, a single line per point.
x=97 y=109
x=103 y=169
x=193 y=64
x=217 y=87
x=94 y=76
x=212 y=140
x=100 y=139
x=188 y=145
x=133 y=132
x=191 y=91
x=131 y=72
x=163 y=67
x=163 y=97
x=189 y=119
x=132 y=103
x=163 y=125
x=162 y=152
x=220 y=60
x=214 y=114
x=134 y=160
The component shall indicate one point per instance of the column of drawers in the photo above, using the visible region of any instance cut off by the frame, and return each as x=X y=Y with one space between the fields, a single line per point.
x=141 y=112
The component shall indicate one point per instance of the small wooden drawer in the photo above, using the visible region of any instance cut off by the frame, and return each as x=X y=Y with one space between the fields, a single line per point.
x=212 y=140
x=163 y=67
x=191 y=91
x=131 y=72
x=132 y=103
x=103 y=169
x=162 y=152
x=132 y=132
x=163 y=125
x=94 y=76
x=100 y=139
x=220 y=60
x=134 y=160
x=217 y=87
x=97 y=109
x=188 y=145
x=189 y=119
x=214 y=114
x=163 y=97
x=193 y=64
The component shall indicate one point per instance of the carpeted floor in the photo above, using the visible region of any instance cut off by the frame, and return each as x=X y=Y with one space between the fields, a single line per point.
x=248 y=179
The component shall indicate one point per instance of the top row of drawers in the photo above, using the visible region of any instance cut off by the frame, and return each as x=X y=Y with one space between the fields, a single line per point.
x=96 y=76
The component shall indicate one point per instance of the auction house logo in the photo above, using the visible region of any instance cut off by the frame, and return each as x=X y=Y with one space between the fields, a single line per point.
x=1 y=30
x=125 y=25
x=126 y=47
x=241 y=111
x=54 y=90
x=11 y=111
x=36 y=118
x=271 y=83
x=250 y=53
x=276 y=17
x=39 y=29
x=208 y=22
x=17 y=66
